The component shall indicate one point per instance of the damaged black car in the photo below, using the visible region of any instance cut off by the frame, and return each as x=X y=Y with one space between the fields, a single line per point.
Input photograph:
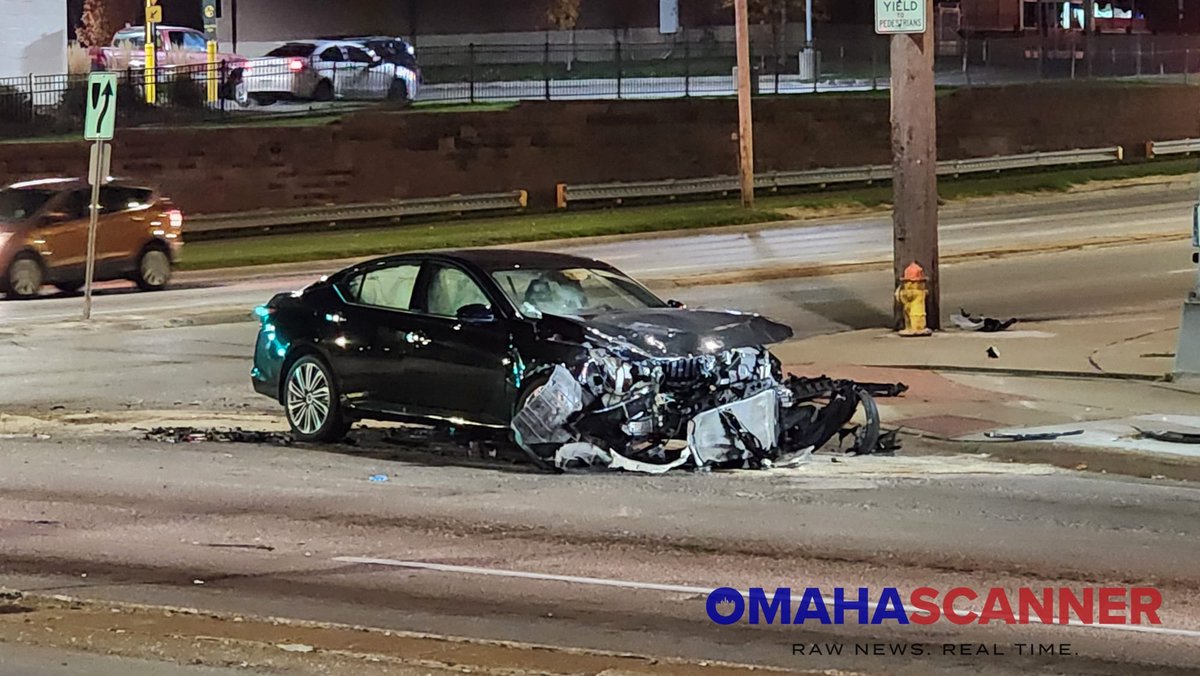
x=567 y=357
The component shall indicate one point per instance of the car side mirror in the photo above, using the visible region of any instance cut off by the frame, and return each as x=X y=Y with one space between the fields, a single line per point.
x=676 y=304
x=476 y=313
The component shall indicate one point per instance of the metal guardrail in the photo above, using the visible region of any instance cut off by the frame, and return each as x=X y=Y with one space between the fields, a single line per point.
x=1181 y=146
x=822 y=177
x=219 y=223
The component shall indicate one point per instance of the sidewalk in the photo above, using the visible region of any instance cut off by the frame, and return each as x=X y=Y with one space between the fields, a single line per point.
x=1094 y=374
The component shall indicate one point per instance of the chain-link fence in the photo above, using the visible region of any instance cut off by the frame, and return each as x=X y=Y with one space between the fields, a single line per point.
x=564 y=69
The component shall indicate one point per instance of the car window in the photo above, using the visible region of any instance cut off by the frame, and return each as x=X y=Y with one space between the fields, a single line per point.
x=389 y=287
x=75 y=204
x=450 y=290
x=572 y=291
x=192 y=42
x=332 y=54
x=130 y=40
x=115 y=199
x=18 y=205
x=358 y=55
x=293 y=50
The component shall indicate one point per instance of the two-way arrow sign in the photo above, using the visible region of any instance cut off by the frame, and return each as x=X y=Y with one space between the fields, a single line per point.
x=101 y=118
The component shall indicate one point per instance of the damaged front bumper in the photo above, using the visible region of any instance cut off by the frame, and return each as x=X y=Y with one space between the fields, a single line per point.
x=723 y=411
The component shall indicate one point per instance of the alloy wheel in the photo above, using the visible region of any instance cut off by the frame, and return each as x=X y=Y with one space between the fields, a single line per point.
x=155 y=268
x=308 y=398
x=25 y=277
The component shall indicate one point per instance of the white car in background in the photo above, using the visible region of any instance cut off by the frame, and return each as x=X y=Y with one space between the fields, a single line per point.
x=327 y=70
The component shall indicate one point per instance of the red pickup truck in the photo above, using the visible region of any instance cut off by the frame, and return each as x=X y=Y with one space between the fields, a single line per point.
x=177 y=47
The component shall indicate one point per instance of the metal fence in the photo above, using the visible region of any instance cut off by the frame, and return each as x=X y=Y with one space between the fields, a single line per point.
x=565 y=69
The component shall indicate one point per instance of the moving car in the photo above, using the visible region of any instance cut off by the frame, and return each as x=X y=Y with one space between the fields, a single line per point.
x=44 y=235
x=568 y=356
x=178 y=47
x=324 y=70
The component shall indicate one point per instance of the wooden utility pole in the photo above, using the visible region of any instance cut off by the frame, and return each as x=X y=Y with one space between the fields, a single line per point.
x=914 y=158
x=745 y=114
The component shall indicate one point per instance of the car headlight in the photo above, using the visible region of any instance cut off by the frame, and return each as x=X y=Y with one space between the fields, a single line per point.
x=412 y=51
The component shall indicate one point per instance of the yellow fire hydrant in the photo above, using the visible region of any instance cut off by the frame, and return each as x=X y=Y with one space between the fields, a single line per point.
x=911 y=293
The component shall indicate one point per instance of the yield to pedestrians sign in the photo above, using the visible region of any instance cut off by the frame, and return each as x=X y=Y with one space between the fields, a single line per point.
x=101 y=115
x=900 y=16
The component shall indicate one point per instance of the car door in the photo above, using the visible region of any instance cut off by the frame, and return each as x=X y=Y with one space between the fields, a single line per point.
x=458 y=368
x=364 y=80
x=331 y=64
x=121 y=230
x=63 y=235
x=374 y=334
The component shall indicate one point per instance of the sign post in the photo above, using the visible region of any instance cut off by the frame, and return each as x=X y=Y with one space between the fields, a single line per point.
x=208 y=9
x=914 y=145
x=98 y=126
x=154 y=15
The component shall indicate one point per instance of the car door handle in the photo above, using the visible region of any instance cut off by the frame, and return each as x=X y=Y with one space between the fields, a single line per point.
x=415 y=338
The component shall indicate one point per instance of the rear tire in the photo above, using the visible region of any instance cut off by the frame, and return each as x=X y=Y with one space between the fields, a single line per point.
x=323 y=91
x=25 y=277
x=154 y=269
x=311 y=404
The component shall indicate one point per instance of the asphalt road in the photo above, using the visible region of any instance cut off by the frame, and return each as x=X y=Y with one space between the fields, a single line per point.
x=992 y=226
x=138 y=521
x=90 y=509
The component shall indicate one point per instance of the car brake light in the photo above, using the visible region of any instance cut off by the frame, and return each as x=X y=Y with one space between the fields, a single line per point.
x=175 y=217
x=295 y=64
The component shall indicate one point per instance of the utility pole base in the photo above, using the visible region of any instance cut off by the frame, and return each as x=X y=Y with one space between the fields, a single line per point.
x=1187 y=357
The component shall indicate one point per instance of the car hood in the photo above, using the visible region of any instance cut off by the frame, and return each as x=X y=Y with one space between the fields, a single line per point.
x=671 y=332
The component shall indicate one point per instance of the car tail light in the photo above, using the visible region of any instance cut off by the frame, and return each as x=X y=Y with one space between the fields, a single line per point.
x=175 y=218
x=296 y=65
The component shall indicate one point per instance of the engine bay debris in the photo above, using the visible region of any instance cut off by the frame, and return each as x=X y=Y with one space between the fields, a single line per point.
x=631 y=409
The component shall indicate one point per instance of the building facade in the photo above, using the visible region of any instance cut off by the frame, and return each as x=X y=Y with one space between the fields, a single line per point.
x=33 y=37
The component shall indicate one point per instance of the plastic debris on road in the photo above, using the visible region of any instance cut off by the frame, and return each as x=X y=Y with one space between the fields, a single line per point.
x=378 y=478
x=295 y=647
x=964 y=321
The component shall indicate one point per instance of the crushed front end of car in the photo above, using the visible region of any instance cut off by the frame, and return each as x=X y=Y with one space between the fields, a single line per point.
x=694 y=390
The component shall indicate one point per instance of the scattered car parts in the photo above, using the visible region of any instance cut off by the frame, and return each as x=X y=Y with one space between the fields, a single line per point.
x=1032 y=436
x=964 y=321
x=196 y=435
x=1170 y=436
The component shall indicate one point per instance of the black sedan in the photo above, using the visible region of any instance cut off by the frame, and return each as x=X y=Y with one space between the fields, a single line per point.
x=566 y=356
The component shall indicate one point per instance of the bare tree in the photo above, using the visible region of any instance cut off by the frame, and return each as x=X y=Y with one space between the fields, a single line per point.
x=103 y=18
x=563 y=15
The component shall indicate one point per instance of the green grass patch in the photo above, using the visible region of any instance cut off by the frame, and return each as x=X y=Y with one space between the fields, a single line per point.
x=350 y=243
x=451 y=234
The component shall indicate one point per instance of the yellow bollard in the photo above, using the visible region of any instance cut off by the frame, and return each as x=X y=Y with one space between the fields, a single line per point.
x=911 y=294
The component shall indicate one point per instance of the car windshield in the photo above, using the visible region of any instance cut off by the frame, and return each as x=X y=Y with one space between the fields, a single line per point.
x=572 y=291
x=293 y=50
x=18 y=205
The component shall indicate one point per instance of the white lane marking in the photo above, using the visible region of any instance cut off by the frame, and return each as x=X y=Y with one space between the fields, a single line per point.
x=681 y=589
x=1181 y=271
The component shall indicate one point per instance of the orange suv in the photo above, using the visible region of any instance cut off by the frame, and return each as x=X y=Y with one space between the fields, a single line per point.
x=44 y=235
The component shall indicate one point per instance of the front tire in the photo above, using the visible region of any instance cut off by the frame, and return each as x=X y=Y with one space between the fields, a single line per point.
x=25 y=277
x=310 y=400
x=154 y=269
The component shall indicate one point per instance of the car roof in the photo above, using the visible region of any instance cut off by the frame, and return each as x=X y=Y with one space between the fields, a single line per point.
x=161 y=27
x=71 y=183
x=505 y=259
